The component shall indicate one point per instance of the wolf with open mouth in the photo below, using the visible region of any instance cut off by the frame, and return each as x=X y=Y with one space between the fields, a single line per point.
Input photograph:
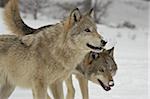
x=102 y=73
x=99 y=68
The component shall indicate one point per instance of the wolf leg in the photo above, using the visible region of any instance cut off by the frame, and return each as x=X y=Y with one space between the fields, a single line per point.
x=48 y=97
x=39 y=89
x=83 y=86
x=57 y=90
x=70 y=88
x=6 y=90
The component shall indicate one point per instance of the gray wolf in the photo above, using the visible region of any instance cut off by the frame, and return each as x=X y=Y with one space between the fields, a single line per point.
x=106 y=68
x=48 y=53
x=96 y=67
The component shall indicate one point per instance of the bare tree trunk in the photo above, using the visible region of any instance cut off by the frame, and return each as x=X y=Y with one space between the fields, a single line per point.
x=35 y=9
x=100 y=8
x=95 y=9
x=35 y=13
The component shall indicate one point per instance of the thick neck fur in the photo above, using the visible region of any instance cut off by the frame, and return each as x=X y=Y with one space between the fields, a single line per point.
x=62 y=49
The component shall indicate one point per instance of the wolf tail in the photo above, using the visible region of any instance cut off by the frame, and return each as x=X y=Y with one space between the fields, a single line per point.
x=13 y=19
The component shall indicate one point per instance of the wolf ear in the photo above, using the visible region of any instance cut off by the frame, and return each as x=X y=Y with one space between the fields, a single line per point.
x=110 y=51
x=75 y=15
x=91 y=13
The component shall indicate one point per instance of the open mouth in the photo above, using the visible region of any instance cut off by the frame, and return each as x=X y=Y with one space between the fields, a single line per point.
x=93 y=47
x=106 y=88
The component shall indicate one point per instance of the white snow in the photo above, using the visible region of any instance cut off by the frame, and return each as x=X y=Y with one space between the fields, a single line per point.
x=131 y=55
x=134 y=11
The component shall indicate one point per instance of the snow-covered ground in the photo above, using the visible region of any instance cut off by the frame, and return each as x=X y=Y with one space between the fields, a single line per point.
x=131 y=55
x=134 y=11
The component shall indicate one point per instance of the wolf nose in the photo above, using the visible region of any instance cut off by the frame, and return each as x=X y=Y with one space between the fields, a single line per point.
x=103 y=42
x=111 y=83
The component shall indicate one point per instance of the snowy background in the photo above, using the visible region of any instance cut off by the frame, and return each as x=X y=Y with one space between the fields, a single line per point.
x=131 y=50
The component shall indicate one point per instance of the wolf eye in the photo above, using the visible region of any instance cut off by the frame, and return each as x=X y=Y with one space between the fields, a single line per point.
x=87 y=30
x=102 y=70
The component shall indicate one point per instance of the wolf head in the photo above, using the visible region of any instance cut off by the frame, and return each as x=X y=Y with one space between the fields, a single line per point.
x=100 y=68
x=83 y=31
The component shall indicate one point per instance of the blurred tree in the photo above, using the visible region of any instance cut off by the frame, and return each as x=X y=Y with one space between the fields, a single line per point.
x=146 y=0
x=84 y=5
x=87 y=4
x=101 y=8
x=49 y=7
x=33 y=6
